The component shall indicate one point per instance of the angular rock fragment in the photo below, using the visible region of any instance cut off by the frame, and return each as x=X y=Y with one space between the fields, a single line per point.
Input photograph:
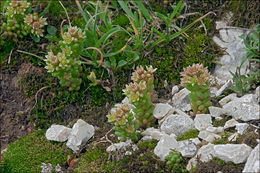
x=230 y=123
x=165 y=145
x=202 y=121
x=253 y=161
x=208 y=136
x=187 y=148
x=236 y=153
x=161 y=110
x=205 y=154
x=181 y=100
x=80 y=134
x=58 y=133
x=177 y=124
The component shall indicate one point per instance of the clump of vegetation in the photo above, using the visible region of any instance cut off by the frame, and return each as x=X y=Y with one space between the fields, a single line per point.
x=20 y=23
x=216 y=165
x=139 y=93
x=175 y=162
x=125 y=124
x=196 y=79
x=28 y=153
x=66 y=64
x=188 y=135
x=243 y=83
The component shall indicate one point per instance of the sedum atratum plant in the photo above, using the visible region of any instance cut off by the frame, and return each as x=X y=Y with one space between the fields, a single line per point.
x=196 y=79
x=66 y=64
x=19 y=23
x=139 y=93
x=124 y=121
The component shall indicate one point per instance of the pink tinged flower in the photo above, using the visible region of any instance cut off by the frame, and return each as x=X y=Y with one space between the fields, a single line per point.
x=133 y=87
x=73 y=30
x=195 y=74
x=36 y=25
x=126 y=108
x=119 y=112
x=140 y=70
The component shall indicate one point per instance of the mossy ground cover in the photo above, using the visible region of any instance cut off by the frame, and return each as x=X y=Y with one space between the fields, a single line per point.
x=56 y=105
x=28 y=154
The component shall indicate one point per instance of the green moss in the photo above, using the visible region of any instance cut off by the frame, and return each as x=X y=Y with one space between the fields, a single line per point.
x=216 y=165
x=142 y=160
x=188 y=135
x=224 y=138
x=194 y=51
x=121 y=20
x=28 y=153
x=96 y=160
x=143 y=145
x=217 y=123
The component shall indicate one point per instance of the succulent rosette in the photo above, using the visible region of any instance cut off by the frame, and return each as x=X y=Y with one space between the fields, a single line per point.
x=125 y=124
x=140 y=93
x=196 y=79
x=66 y=65
x=35 y=24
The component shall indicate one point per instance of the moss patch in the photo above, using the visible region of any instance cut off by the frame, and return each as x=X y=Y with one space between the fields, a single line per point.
x=216 y=165
x=28 y=153
x=142 y=160
x=188 y=135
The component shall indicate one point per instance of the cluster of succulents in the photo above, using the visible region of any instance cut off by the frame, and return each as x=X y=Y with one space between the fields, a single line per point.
x=124 y=121
x=66 y=65
x=196 y=79
x=19 y=24
x=35 y=24
x=140 y=93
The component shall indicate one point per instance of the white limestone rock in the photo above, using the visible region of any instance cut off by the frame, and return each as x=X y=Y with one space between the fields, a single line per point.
x=58 y=133
x=202 y=121
x=187 y=148
x=227 y=99
x=213 y=91
x=233 y=137
x=161 y=110
x=153 y=133
x=196 y=141
x=165 y=145
x=215 y=129
x=245 y=108
x=257 y=93
x=230 y=123
x=177 y=124
x=204 y=154
x=232 y=43
x=236 y=153
x=227 y=85
x=253 y=161
x=80 y=134
x=147 y=138
x=181 y=100
x=216 y=111
x=175 y=89
x=241 y=128
x=208 y=136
